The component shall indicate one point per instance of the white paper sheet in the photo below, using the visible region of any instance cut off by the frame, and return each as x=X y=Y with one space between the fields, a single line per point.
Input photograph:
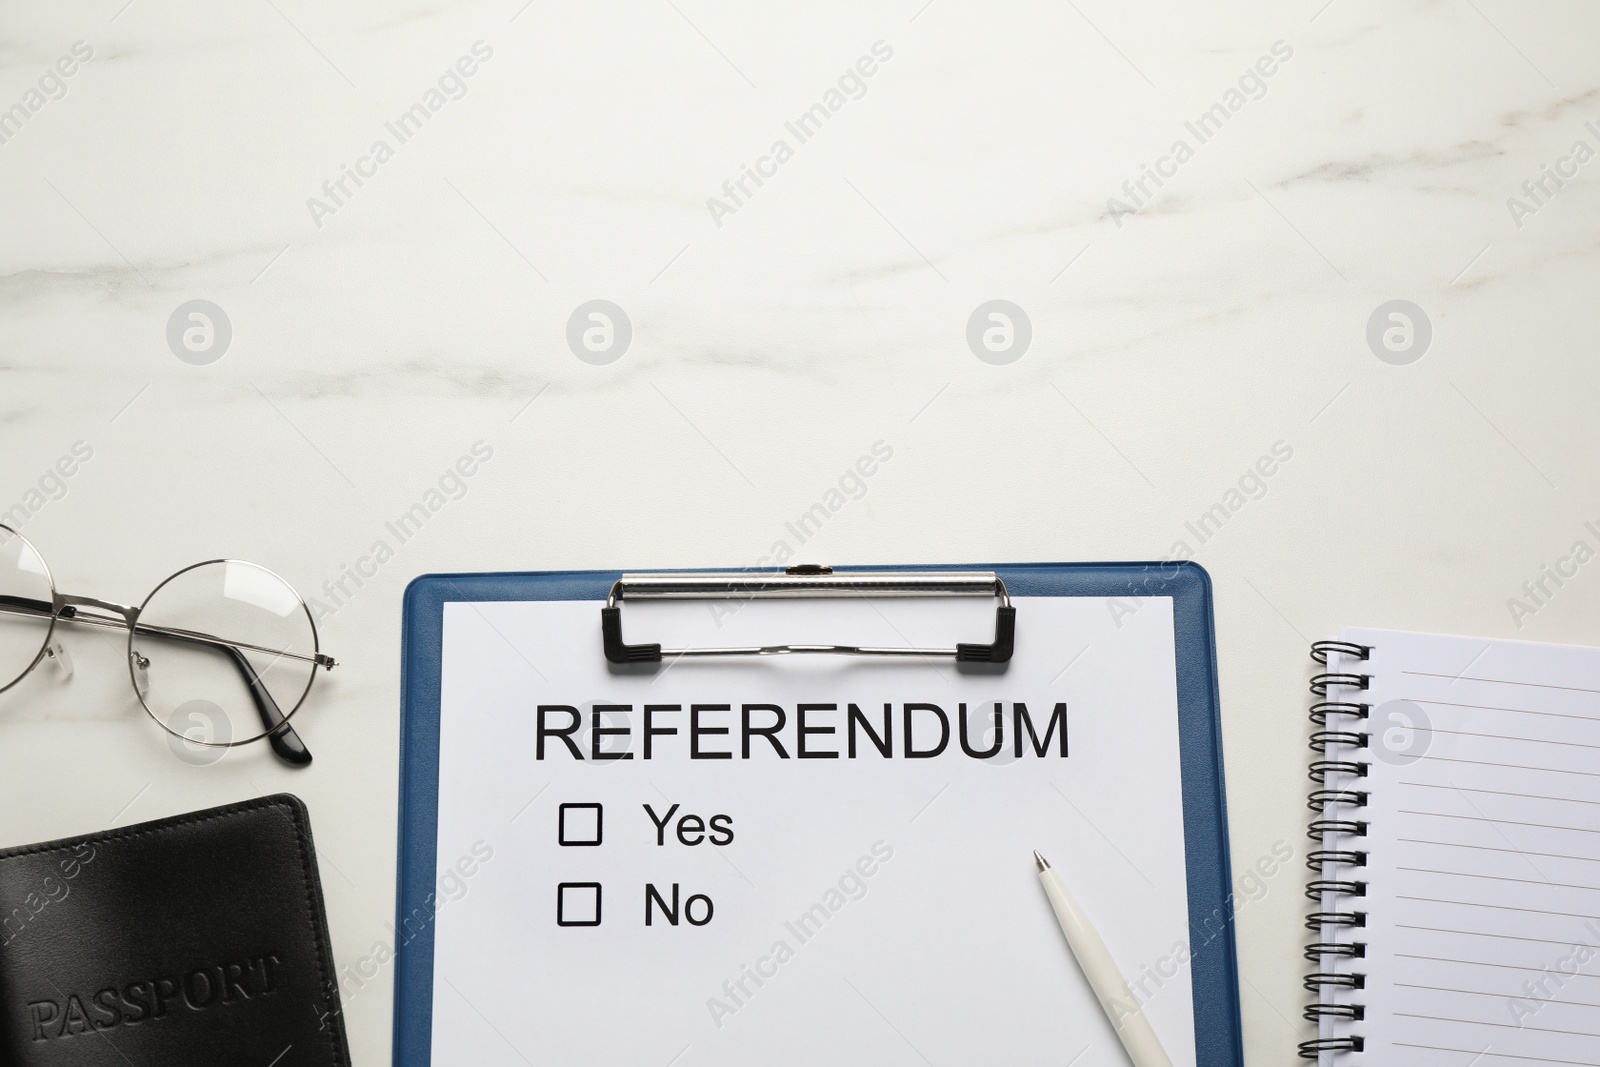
x=866 y=911
x=1483 y=871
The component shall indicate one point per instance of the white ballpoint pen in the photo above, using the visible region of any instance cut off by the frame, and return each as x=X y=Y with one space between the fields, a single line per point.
x=1104 y=977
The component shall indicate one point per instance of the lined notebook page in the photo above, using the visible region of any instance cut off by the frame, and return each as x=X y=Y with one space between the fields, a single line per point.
x=1483 y=869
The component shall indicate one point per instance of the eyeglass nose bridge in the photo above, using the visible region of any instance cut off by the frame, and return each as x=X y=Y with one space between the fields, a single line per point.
x=66 y=603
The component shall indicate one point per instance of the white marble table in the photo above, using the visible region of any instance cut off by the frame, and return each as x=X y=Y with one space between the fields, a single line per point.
x=391 y=306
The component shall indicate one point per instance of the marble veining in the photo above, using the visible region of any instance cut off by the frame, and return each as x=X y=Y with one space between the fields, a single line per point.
x=373 y=345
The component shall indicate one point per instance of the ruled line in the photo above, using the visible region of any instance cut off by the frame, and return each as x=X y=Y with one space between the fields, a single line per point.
x=1499 y=792
x=1502 y=996
x=1503 y=681
x=1508 y=822
x=1480 y=933
x=1484 y=963
x=1497 y=1055
x=1500 y=878
x=1508 y=766
x=1505 y=737
x=1496 y=707
x=1503 y=1026
x=1497 y=907
x=1491 y=848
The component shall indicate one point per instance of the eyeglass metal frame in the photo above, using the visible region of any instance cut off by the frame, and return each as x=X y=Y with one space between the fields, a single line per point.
x=67 y=607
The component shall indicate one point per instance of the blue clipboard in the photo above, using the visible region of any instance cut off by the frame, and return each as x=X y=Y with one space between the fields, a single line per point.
x=1213 y=964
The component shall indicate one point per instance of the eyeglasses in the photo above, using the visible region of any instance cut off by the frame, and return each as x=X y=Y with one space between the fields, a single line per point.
x=216 y=652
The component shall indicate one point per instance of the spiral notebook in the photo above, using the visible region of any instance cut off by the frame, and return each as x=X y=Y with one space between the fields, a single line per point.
x=1457 y=805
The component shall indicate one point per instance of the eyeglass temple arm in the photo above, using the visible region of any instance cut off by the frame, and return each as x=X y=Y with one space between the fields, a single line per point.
x=286 y=744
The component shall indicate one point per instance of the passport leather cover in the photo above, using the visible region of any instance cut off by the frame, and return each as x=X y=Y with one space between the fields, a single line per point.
x=198 y=939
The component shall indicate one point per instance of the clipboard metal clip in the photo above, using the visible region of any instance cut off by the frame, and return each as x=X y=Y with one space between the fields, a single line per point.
x=808 y=582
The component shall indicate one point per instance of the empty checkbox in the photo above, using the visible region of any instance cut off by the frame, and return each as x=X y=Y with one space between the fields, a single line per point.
x=580 y=824
x=578 y=904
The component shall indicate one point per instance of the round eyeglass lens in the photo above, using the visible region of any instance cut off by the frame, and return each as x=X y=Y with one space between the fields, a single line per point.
x=222 y=653
x=27 y=600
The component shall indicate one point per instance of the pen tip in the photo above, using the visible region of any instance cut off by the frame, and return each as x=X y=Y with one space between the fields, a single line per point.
x=1044 y=864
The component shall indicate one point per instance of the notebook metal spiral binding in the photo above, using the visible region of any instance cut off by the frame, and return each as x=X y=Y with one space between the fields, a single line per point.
x=1340 y=717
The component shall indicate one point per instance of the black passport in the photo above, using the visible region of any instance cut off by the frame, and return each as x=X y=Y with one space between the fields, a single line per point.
x=199 y=939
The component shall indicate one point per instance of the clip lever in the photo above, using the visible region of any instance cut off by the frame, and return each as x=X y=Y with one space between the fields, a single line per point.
x=807 y=582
